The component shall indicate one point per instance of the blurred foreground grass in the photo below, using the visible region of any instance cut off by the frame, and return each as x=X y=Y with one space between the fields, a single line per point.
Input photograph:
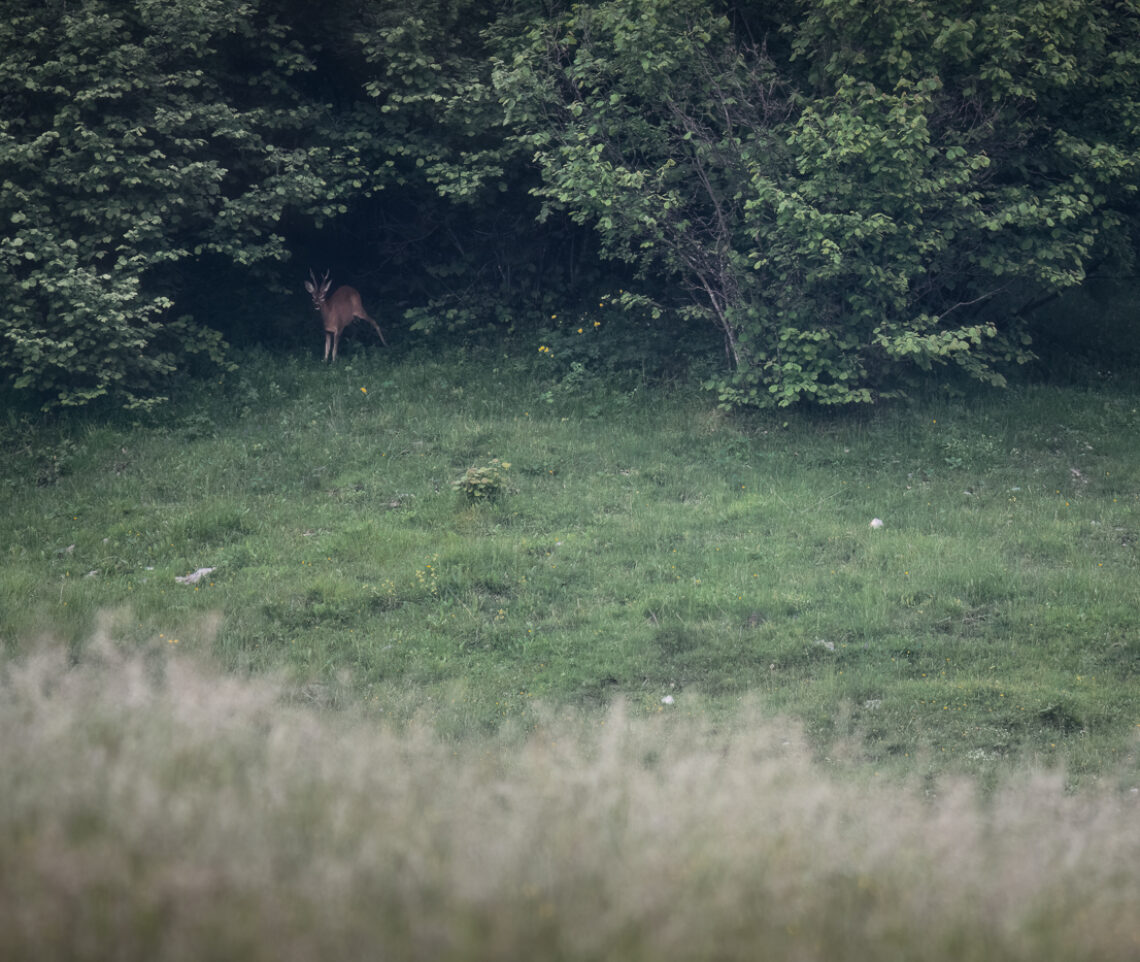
x=155 y=809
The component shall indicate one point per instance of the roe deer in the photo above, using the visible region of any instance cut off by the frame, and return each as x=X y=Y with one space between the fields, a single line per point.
x=337 y=311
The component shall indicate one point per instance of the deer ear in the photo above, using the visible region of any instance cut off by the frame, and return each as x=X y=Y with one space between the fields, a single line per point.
x=309 y=287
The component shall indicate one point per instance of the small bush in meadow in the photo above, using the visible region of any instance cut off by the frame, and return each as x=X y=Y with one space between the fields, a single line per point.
x=486 y=482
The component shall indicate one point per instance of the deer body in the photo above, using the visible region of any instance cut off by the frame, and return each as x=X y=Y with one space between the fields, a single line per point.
x=338 y=310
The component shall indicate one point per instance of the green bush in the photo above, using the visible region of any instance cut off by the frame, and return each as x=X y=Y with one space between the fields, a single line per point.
x=485 y=483
x=856 y=204
x=137 y=136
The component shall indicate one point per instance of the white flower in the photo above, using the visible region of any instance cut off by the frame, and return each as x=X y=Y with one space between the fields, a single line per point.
x=876 y=522
x=667 y=700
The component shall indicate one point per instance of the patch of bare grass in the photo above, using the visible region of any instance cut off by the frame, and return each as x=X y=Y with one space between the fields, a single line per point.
x=152 y=808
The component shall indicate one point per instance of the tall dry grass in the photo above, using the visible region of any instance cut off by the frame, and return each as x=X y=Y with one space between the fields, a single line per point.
x=153 y=809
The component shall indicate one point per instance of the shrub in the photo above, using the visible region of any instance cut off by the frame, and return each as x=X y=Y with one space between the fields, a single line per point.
x=484 y=483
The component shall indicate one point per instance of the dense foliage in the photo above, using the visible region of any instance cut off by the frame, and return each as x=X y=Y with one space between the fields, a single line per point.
x=891 y=196
x=137 y=137
x=853 y=195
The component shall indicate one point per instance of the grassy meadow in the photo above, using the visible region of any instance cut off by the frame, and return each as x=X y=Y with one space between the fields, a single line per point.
x=665 y=693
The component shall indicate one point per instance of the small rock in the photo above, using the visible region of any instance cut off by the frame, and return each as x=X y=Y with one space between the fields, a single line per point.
x=193 y=579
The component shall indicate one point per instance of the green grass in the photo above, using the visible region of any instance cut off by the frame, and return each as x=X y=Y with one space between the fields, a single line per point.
x=647 y=545
x=665 y=695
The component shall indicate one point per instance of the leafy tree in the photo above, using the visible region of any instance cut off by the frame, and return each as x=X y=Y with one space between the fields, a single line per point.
x=894 y=197
x=459 y=221
x=1028 y=112
x=852 y=194
x=643 y=118
x=137 y=136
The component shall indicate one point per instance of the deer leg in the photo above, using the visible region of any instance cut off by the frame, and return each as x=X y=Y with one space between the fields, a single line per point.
x=365 y=317
x=328 y=345
x=335 y=342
